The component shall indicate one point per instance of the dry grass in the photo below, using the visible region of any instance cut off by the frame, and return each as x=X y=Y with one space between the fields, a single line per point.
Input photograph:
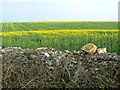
x=74 y=70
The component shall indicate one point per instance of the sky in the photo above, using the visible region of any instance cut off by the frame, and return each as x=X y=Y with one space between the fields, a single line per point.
x=58 y=10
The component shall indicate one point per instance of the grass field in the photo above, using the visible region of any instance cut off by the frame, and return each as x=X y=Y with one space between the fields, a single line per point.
x=61 y=35
x=28 y=26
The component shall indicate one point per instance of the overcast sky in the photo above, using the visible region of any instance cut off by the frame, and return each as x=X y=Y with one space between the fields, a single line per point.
x=58 y=10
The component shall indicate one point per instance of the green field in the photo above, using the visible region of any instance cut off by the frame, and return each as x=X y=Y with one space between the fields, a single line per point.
x=58 y=26
x=61 y=35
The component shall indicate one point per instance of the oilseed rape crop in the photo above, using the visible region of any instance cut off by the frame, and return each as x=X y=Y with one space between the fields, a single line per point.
x=59 y=38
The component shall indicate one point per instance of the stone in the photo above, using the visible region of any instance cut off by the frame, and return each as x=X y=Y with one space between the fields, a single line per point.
x=101 y=50
x=47 y=64
x=90 y=48
x=46 y=54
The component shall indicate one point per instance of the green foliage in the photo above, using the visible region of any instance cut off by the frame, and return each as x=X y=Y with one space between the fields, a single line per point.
x=58 y=26
x=59 y=39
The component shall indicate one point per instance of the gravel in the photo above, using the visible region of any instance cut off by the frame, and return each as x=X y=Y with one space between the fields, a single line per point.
x=48 y=68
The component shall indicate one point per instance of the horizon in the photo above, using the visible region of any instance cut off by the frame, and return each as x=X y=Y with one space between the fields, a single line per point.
x=64 y=21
